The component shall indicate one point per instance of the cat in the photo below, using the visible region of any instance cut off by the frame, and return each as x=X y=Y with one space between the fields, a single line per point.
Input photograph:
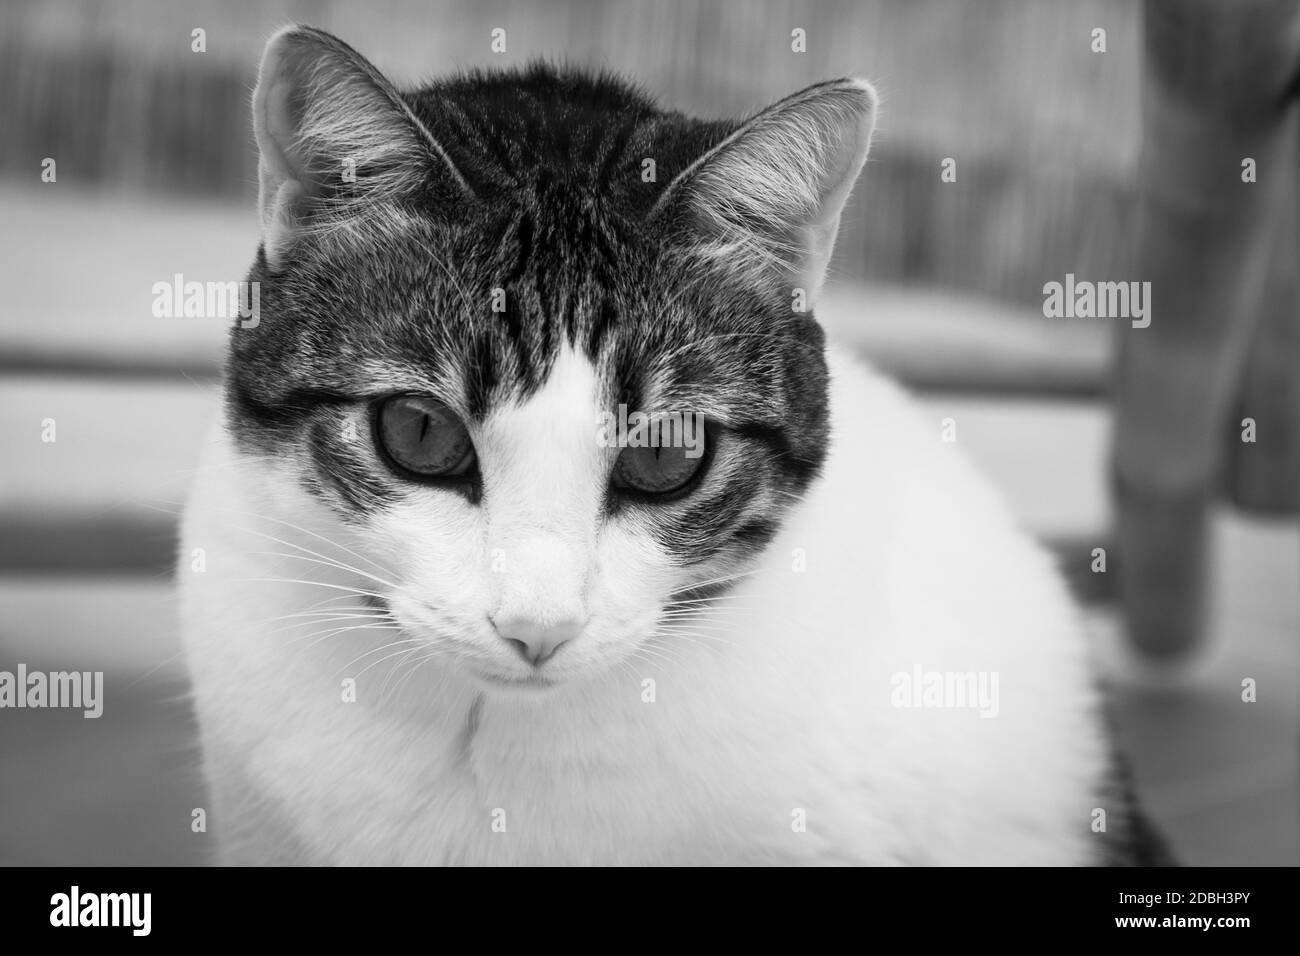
x=442 y=618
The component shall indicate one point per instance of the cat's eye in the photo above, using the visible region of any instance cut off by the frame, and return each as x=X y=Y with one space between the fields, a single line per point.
x=657 y=472
x=423 y=437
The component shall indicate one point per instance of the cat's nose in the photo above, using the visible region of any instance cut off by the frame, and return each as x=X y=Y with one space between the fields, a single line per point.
x=536 y=642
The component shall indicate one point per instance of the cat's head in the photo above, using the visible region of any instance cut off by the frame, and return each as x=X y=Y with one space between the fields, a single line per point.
x=472 y=295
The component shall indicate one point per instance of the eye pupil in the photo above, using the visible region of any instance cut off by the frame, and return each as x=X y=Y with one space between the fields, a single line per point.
x=423 y=438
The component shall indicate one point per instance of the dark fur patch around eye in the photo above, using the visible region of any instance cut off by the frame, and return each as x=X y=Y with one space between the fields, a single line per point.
x=482 y=377
x=559 y=223
x=345 y=465
x=755 y=533
x=714 y=521
x=795 y=466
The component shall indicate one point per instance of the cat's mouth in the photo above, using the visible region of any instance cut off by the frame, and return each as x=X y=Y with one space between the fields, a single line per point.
x=529 y=683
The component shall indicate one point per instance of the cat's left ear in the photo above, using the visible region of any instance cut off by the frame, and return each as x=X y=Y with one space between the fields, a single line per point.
x=769 y=196
x=335 y=138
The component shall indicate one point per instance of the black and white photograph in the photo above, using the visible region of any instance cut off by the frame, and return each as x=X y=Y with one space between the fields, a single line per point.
x=650 y=433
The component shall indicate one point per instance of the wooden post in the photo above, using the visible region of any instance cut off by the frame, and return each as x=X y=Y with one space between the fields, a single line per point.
x=1215 y=87
x=1263 y=475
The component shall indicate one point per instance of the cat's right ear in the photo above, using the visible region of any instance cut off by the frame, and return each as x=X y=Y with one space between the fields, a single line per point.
x=334 y=136
x=768 y=197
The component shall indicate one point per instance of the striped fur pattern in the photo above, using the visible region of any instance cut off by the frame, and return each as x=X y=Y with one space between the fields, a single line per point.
x=530 y=186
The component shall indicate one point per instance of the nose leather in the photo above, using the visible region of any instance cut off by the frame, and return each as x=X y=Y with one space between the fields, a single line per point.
x=536 y=641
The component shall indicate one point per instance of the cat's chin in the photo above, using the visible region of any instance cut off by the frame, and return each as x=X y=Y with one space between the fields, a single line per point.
x=546 y=680
x=530 y=685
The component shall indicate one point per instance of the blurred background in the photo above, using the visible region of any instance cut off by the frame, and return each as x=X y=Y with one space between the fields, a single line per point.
x=940 y=283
